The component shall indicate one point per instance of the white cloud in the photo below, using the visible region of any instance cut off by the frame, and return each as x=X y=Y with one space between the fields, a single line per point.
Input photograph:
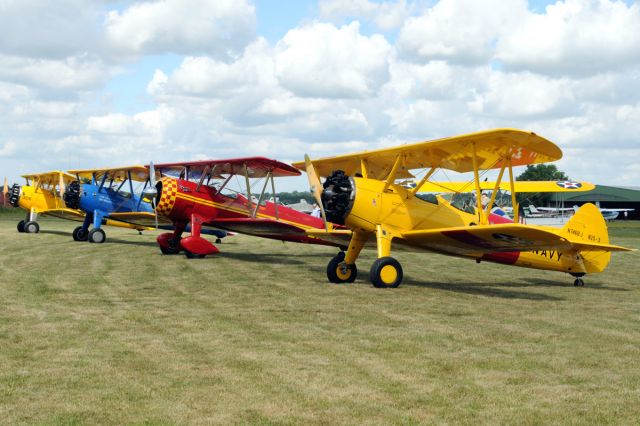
x=49 y=29
x=386 y=15
x=70 y=74
x=459 y=31
x=575 y=37
x=220 y=28
x=320 y=60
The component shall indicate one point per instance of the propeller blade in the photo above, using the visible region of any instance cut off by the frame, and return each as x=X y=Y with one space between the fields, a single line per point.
x=316 y=188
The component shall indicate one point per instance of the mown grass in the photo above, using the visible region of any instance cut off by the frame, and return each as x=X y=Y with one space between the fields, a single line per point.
x=118 y=333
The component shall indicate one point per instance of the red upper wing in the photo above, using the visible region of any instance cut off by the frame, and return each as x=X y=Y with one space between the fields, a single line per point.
x=257 y=167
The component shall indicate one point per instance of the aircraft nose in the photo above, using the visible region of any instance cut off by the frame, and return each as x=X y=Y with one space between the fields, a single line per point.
x=72 y=195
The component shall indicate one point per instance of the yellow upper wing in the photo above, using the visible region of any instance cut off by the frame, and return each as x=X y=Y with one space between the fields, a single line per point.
x=138 y=173
x=455 y=153
x=51 y=177
x=519 y=186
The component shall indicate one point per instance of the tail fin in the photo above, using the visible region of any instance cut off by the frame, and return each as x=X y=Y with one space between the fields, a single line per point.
x=589 y=227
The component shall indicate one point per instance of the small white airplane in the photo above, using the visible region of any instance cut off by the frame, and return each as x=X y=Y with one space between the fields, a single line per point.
x=564 y=213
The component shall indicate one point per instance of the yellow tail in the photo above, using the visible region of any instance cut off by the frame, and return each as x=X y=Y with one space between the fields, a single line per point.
x=588 y=229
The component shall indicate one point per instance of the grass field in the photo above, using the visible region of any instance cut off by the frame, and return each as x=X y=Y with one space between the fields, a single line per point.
x=117 y=333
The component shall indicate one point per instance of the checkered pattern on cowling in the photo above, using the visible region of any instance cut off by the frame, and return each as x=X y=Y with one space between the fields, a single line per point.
x=168 y=197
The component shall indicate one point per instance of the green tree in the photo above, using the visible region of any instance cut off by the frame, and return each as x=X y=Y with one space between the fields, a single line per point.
x=539 y=172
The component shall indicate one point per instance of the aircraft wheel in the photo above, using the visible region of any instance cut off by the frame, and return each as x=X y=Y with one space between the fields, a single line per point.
x=386 y=272
x=191 y=255
x=339 y=272
x=218 y=241
x=79 y=234
x=97 y=236
x=170 y=250
x=31 y=227
x=578 y=282
x=21 y=226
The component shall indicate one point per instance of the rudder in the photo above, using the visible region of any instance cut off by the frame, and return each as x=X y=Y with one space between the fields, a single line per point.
x=588 y=225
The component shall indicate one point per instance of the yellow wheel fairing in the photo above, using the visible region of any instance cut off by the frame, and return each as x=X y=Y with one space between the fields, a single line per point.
x=388 y=274
x=168 y=196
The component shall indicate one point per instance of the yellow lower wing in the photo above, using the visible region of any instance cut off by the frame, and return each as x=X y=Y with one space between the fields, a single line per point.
x=498 y=238
x=68 y=214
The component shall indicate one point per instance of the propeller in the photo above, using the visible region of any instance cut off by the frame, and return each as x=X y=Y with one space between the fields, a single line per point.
x=152 y=191
x=62 y=188
x=316 y=188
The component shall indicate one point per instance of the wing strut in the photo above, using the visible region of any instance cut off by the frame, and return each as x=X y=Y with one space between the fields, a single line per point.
x=514 y=203
x=204 y=174
x=392 y=174
x=363 y=168
x=495 y=190
x=426 y=177
x=264 y=187
x=481 y=216
x=61 y=190
x=275 y=196
x=246 y=177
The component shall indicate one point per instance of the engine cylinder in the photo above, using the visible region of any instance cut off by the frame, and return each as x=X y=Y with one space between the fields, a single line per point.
x=72 y=195
x=338 y=196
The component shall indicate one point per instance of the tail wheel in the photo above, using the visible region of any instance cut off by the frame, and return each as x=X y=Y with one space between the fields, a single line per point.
x=97 y=236
x=31 y=227
x=21 y=226
x=578 y=282
x=80 y=234
x=340 y=272
x=386 y=272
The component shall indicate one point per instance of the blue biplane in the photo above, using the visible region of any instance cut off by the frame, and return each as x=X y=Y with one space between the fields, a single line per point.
x=113 y=193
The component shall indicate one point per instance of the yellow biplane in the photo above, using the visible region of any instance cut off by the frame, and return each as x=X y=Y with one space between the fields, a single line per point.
x=43 y=194
x=360 y=192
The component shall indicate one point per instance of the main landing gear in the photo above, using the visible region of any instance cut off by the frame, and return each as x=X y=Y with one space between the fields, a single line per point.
x=29 y=227
x=386 y=272
x=194 y=246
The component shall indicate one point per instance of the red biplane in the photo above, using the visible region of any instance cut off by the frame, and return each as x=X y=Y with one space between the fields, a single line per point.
x=199 y=193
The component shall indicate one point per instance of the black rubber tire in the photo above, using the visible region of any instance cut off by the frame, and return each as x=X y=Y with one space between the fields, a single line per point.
x=31 y=227
x=79 y=234
x=191 y=255
x=376 y=273
x=170 y=250
x=21 y=226
x=334 y=272
x=97 y=236
x=578 y=282
x=218 y=241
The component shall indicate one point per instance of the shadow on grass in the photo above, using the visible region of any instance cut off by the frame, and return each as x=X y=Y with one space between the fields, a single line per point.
x=537 y=282
x=483 y=289
x=265 y=258
x=48 y=231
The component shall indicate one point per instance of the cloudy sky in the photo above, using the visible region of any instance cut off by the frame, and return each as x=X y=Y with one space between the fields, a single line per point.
x=89 y=83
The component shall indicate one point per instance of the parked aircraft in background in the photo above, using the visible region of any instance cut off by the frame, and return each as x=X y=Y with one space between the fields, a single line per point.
x=360 y=192
x=42 y=194
x=109 y=194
